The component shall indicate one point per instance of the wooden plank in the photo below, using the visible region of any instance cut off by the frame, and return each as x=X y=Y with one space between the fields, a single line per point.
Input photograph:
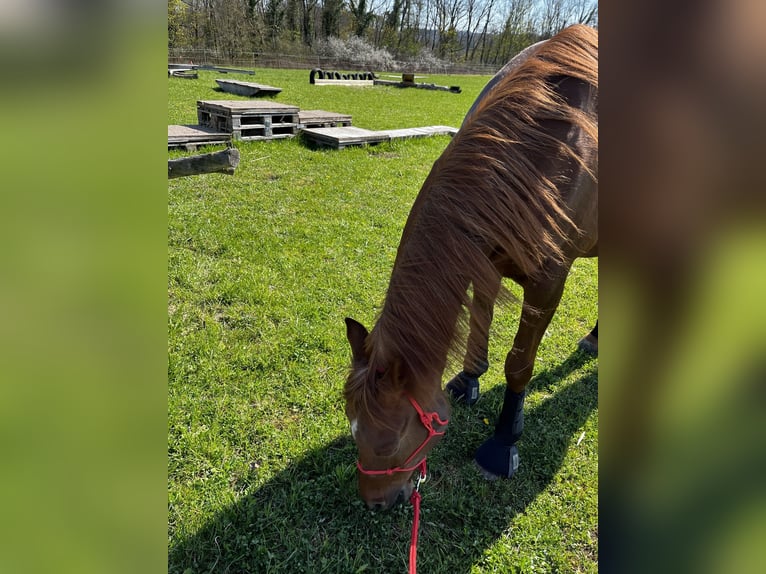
x=242 y=107
x=453 y=89
x=318 y=82
x=247 y=88
x=225 y=161
x=225 y=70
x=190 y=136
x=340 y=137
x=420 y=132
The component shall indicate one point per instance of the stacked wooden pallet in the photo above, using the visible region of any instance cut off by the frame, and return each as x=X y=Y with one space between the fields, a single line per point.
x=249 y=120
x=220 y=121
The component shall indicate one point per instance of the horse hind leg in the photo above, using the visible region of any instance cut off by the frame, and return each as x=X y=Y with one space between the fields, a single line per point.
x=498 y=455
x=465 y=385
x=589 y=343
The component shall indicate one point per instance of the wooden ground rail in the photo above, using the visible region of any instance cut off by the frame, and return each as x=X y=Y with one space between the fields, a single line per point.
x=225 y=161
x=249 y=89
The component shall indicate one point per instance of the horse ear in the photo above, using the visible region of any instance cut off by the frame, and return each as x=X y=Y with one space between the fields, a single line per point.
x=356 y=334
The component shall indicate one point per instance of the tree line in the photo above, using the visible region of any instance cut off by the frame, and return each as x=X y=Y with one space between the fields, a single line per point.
x=478 y=32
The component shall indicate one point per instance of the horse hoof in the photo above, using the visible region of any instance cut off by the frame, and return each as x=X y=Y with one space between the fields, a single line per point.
x=464 y=387
x=496 y=459
x=588 y=344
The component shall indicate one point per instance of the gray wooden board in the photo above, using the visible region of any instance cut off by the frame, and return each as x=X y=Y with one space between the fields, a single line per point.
x=247 y=88
x=318 y=82
x=240 y=107
x=341 y=137
x=420 y=132
x=195 y=134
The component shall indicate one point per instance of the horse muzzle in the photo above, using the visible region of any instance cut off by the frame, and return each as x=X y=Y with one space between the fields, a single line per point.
x=396 y=497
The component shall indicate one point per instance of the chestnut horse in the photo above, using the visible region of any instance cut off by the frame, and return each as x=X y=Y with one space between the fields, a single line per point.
x=513 y=195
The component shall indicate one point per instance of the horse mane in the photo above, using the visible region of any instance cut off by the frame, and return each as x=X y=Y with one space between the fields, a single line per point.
x=489 y=190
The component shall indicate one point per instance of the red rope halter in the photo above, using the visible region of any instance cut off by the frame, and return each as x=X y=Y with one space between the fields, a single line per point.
x=428 y=420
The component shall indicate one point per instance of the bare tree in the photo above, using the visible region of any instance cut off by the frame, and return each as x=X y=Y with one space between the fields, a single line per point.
x=555 y=15
x=477 y=12
x=584 y=12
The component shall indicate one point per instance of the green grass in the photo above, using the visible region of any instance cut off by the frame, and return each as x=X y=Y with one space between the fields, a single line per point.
x=263 y=267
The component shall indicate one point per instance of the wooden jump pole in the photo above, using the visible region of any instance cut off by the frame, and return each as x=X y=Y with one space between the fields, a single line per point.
x=225 y=161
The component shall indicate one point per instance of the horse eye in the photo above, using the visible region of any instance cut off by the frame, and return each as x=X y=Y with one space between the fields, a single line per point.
x=387 y=449
x=386 y=444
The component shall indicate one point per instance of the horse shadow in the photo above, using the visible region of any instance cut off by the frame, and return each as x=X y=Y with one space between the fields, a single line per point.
x=309 y=518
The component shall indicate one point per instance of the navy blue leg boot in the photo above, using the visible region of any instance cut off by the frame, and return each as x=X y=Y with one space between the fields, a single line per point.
x=498 y=455
x=589 y=343
x=465 y=386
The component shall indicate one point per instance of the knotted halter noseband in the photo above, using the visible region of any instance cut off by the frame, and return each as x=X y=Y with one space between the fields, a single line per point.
x=428 y=420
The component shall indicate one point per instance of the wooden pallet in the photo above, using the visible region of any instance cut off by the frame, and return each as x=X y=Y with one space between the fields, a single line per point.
x=249 y=120
x=191 y=136
x=249 y=89
x=341 y=137
x=322 y=119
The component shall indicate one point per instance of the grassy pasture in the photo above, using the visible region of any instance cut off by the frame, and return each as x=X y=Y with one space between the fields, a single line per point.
x=263 y=267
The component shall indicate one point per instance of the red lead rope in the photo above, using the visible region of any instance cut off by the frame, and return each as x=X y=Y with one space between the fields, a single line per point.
x=415 y=500
x=428 y=420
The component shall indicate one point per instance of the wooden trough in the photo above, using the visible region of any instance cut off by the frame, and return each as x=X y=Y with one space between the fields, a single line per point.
x=249 y=89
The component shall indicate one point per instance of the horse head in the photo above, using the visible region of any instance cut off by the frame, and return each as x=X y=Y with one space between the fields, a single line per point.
x=395 y=421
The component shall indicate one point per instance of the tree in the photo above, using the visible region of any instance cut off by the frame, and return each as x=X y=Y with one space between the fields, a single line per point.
x=274 y=16
x=331 y=14
x=307 y=21
x=177 y=13
x=361 y=16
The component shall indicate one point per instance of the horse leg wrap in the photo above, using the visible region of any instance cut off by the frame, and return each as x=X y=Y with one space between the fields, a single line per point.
x=498 y=455
x=465 y=386
x=589 y=343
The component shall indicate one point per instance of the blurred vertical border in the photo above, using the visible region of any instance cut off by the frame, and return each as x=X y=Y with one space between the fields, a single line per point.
x=683 y=281
x=83 y=287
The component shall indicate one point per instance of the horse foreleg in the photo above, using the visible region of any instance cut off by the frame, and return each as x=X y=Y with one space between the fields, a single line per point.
x=465 y=386
x=498 y=455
